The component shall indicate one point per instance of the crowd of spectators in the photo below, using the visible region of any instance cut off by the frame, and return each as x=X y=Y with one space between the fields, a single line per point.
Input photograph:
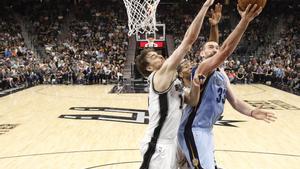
x=18 y=64
x=86 y=42
x=278 y=63
x=260 y=56
x=91 y=52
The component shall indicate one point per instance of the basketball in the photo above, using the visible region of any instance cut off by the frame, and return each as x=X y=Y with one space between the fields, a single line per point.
x=244 y=3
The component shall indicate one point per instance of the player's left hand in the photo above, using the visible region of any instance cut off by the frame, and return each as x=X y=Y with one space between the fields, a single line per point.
x=266 y=116
x=216 y=15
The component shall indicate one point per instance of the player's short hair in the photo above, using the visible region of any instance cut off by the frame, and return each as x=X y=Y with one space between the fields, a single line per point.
x=142 y=63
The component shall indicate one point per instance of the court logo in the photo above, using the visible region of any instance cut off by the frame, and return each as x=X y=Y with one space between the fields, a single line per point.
x=5 y=128
x=272 y=104
x=110 y=114
x=124 y=115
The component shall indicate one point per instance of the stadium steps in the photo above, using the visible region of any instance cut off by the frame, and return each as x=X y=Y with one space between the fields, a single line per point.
x=65 y=27
x=130 y=56
x=24 y=32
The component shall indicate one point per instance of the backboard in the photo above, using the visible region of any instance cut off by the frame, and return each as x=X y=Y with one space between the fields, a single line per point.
x=158 y=35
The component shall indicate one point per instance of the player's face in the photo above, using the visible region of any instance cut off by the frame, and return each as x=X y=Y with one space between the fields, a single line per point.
x=210 y=49
x=155 y=61
x=186 y=70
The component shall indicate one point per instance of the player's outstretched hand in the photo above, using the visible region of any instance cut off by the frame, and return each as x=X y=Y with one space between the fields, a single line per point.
x=260 y=114
x=250 y=13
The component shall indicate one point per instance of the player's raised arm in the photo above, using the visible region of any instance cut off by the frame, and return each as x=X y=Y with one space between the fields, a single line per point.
x=215 y=17
x=231 y=42
x=190 y=37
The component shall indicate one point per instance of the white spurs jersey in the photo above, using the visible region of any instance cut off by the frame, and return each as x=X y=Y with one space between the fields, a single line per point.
x=165 y=110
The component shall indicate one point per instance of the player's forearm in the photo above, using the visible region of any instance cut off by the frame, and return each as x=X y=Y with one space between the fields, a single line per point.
x=194 y=95
x=190 y=37
x=214 y=33
x=242 y=107
x=193 y=31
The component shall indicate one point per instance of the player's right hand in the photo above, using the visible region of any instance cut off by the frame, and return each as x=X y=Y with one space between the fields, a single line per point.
x=250 y=13
x=216 y=15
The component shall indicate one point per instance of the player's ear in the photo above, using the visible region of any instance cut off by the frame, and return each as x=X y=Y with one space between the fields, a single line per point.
x=202 y=54
x=149 y=68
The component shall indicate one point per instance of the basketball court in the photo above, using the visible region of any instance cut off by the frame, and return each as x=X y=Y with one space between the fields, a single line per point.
x=85 y=127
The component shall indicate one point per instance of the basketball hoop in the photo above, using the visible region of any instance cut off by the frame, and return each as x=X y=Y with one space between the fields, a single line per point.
x=141 y=15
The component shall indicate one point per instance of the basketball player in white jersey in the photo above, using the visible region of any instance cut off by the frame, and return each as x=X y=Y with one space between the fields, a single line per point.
x=195 y=132
x=159 y=146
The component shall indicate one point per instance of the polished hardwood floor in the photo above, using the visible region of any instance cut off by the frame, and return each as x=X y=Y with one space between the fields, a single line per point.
x=85 y=127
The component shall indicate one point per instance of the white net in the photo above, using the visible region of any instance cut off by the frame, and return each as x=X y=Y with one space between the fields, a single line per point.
x=141 y=15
